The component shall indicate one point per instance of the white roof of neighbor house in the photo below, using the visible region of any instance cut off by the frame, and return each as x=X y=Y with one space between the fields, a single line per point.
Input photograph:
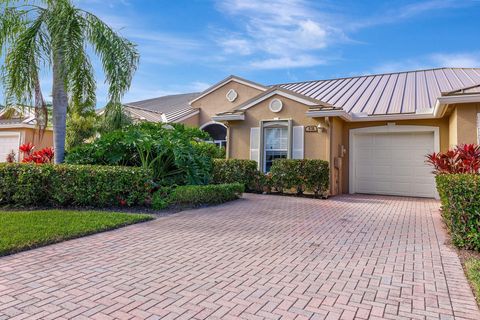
x=391 y=93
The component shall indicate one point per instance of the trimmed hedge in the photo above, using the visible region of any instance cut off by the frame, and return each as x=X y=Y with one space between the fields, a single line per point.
x=24 y=185
x=300 y=175
x=460 y=197
x=238 y=171
x=194 y=196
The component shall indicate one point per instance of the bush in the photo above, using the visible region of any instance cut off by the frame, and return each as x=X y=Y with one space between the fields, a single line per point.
x=194 y=196
x=301 y=175
x=460 y=197
x=238 y=171
x=174 y=153
x=70 y=185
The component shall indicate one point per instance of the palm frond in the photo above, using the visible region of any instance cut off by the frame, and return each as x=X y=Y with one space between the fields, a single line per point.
x=119 y=56
x=21 y=64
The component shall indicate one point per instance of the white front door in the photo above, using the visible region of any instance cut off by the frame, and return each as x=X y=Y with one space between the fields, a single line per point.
x=9 y=141
x=393 y=163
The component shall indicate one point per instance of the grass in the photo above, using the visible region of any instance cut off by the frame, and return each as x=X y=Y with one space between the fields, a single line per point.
x=472 y=268
x=23 y=230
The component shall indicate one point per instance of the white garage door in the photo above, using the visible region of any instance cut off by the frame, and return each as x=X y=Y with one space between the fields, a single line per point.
x=394 y=164
x=8 y=142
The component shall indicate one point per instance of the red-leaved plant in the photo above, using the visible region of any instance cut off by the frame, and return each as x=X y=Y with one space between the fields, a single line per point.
x=462 y=159
x=39 y=157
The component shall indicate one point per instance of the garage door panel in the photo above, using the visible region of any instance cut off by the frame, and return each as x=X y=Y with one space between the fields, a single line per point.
x=8 y=142
x=394 y=163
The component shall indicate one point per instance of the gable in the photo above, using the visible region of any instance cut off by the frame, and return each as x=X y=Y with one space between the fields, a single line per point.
x=216 y=101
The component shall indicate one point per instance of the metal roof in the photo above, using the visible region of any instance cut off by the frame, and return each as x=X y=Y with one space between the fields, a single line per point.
x=390 y=93
x=174 y=107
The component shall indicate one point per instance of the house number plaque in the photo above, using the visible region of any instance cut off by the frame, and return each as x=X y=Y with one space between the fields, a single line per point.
x=311 y=129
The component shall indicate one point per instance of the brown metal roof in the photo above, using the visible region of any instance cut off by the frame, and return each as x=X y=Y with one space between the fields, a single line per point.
x=390 y=93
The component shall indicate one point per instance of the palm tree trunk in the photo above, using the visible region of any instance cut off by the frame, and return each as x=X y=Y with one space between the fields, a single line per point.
x=60 y=104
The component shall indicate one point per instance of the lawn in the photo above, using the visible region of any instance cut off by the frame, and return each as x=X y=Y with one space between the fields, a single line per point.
x=23 y=230
x=472 y=266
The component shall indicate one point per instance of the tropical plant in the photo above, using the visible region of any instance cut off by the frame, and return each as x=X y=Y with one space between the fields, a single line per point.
x=81 y=126
x=42 y=156
x=173 y=152
x=54 y=34
x=461 y=159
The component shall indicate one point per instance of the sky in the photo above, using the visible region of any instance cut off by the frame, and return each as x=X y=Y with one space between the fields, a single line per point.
x=188 y=45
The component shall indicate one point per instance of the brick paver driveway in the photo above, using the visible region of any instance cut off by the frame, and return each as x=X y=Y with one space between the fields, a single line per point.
x=259 y=257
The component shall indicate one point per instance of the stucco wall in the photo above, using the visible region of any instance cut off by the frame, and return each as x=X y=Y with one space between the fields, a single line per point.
x=443 y=124
x=40 y=142
x=336 y=155
x=315 y=144
x=216 y=101
x=463 y=123
x=193 y=121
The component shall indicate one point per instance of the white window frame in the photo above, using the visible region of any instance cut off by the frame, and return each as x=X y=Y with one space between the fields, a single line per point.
x=265 y=150
x=478 y=128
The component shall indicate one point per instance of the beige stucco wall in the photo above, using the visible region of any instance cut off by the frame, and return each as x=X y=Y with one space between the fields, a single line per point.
x=193 y=121
x=442 y=124
x=463 y=123
x=336 y=155
x=216 y=101
x=315 y=143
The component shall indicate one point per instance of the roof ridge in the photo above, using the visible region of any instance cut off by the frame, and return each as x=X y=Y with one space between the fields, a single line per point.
x=170 y=95
x=372 y=75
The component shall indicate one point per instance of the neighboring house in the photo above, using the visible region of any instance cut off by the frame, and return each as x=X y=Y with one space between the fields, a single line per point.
x=374 y=130
x=18 y=126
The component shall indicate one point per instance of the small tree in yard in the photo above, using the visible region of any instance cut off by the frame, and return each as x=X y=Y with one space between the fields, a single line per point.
x=54 y=34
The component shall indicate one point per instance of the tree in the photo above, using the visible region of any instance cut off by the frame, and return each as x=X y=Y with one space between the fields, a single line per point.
x=56 y=35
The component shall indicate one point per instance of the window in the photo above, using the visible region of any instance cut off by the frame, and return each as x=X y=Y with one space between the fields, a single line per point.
x=275 y=145
x=218 y=133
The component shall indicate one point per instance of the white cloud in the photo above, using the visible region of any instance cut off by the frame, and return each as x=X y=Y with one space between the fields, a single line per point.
x=287 y=62
x=433 y=60
x=465 y=60
x=286 y=32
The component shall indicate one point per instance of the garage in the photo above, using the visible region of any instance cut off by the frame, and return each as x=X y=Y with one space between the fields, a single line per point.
x=8 y=141
x=390 y=160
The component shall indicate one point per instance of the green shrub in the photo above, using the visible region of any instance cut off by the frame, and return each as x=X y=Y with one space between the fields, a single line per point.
x=300 y=175
x=174 y=153
x=238 y=171
x=460 y=197
x=194 y=196
x=71 y=185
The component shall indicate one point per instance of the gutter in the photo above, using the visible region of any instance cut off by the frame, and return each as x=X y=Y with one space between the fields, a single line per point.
x=437 y=112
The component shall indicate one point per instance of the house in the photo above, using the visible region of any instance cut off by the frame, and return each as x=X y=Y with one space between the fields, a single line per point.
x=18 y=126
x=375 y=130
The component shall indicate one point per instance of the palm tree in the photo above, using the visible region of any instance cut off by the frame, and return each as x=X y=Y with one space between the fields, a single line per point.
x=57 y=36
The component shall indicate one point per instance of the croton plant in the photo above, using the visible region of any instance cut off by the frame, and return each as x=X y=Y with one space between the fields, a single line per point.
x=44 y=155
x=461 y=159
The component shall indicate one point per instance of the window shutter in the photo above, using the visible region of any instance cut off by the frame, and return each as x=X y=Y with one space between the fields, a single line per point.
x=255 y=144
x=297 y=142
x=478 y=128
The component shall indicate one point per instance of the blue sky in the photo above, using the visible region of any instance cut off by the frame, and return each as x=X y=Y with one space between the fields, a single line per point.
x=187 y=45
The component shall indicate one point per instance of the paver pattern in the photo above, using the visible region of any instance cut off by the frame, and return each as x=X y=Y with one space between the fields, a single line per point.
x=261 y=257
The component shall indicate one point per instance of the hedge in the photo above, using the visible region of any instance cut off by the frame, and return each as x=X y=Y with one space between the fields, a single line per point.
x=24 y=185
x=301 y=175
x=194 y=196
x=238 y=171
x=460 y=197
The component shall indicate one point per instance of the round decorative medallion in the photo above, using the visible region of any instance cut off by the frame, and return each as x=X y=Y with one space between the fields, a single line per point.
x=232 y=95
x=275 y=105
